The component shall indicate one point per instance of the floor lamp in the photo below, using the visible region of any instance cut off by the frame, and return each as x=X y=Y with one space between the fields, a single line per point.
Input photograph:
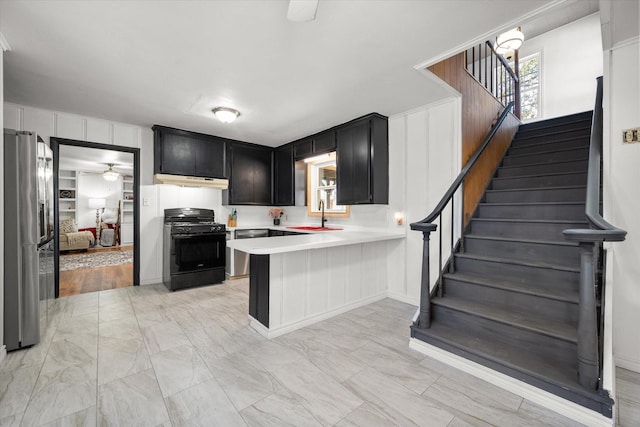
x=97 y=204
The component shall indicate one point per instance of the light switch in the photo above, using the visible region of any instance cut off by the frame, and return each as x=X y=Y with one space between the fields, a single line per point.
x=145 y=201
x=631 y=136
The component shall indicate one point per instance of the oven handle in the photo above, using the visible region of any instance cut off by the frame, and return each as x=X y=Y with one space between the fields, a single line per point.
x=187 y=236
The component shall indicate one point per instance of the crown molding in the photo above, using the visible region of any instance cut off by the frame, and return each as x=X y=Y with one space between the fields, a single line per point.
x=4 y=44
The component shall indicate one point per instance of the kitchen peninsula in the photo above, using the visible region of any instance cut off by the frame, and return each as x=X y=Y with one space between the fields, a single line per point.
x=299 y=280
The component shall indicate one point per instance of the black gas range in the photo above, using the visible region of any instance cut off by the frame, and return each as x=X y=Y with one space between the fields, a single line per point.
x=194 y=248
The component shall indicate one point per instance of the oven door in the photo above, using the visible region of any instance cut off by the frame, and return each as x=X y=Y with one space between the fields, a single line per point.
x=193 y=252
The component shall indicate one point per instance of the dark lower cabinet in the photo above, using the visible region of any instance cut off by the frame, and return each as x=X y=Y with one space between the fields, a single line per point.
x=250 y=182
x=362 y=160
x=283 y=176
x=259 y=288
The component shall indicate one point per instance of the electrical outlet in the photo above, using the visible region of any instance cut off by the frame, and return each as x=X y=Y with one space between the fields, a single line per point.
x=631 y=136
x=145 y=201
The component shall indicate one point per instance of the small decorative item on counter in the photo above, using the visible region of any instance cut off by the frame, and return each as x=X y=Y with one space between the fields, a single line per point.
x=232 y=221
x=276 y=213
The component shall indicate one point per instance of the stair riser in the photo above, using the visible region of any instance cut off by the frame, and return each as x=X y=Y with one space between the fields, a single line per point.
x=505 y=334
x=574 y=166
x=519 y=273
x=527 y=230
x=567 y=255
x=555 y=128
x=529 y=196
x=540 y=181
x=520 y=141
x=556 y=211
x=558 y=145
x=584 y=118
x=535 y=305
x=556 y=156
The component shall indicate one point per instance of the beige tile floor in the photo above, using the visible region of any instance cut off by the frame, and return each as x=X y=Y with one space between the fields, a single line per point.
x=145 y=356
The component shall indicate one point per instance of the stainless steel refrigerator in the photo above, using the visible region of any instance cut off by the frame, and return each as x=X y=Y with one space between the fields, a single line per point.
x=28 y=238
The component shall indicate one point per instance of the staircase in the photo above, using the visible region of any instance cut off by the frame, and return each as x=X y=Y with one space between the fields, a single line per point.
x=509 y=300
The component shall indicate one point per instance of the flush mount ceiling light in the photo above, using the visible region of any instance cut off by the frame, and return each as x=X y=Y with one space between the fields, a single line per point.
x=509 y=41
x=225 y=114
x=110 y=174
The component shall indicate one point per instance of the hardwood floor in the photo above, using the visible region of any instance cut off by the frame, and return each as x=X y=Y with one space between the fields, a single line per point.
x=74 y=282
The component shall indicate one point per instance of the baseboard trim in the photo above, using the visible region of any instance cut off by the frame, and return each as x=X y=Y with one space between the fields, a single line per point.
x=3 y=353
x=402 y=298
x=270 y=333
x=632 y=365
x=550 y=401
x=154 y=281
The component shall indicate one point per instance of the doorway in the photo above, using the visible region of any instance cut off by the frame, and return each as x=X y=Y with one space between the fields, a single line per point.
x=96 y=217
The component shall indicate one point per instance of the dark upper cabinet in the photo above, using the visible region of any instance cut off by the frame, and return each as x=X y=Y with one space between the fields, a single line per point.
x=362 y=158
x=283 y=176
x=179 y=152
x=323 y=142
x=303 y=148
x=250 y=182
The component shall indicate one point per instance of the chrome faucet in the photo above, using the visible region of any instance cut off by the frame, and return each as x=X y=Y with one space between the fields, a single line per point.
x=322 y=218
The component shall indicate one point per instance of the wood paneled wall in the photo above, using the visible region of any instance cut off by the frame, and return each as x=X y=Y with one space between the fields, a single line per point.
x=479 y=111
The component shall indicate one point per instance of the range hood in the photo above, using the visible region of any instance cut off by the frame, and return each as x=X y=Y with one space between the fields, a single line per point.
x=191 y=181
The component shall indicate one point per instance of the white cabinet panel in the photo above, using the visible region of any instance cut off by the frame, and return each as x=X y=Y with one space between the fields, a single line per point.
x=354 y=273
x=11 y=117
x=318 y=294
x=294 y=287
x=69 y=126
x=337 y=284
x=39 y=121
x=98 y=131
x=125 y=135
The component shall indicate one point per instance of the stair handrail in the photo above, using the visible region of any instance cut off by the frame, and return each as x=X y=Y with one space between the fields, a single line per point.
x=426 y=225
x=590 y=243
x=422 y=225
x=601 y=229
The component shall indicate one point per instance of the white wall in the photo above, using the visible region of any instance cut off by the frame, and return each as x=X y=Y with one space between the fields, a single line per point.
x=49 y=123
x=621 y=172
x=426 y=145
x=571 y=59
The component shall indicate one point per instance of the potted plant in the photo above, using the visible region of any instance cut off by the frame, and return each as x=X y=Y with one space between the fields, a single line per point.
x=276 y=213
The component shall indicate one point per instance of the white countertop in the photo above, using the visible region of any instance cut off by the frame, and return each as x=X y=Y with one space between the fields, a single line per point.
x=313 y=239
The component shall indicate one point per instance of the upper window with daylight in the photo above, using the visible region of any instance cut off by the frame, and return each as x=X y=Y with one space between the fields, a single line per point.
x=530 y=87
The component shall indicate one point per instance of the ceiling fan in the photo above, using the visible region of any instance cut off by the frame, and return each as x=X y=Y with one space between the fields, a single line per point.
x=110 y=174
x=302 y=10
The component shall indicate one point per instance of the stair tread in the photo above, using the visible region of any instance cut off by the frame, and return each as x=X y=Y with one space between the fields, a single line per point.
x=544 y=163
x=557 y=293
x=556 y=372
x=530 y=203
x=559 y=150
x=547 y=143
x=525 y=321
x=540 y=175
x=530 y=127
x=519 y=261
x=542 y=135
x=545 y=221
x=521 y=240
x=565 y=187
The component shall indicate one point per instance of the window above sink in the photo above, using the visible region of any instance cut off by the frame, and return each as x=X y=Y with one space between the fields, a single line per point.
x=322 y=186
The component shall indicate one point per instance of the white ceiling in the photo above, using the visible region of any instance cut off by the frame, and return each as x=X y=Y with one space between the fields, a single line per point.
x=94 y=159
x=170 y=62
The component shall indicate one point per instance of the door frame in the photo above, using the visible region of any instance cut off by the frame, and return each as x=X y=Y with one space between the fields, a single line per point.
x=55 y=144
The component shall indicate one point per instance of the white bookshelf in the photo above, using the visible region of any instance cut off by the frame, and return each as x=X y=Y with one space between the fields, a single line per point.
x=67 y=194
x=126 y=225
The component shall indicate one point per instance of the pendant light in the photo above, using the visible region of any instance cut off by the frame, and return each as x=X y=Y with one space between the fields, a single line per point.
x=509 y=41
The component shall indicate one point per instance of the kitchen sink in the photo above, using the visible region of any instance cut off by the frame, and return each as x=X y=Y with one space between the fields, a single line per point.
x=314 y=228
